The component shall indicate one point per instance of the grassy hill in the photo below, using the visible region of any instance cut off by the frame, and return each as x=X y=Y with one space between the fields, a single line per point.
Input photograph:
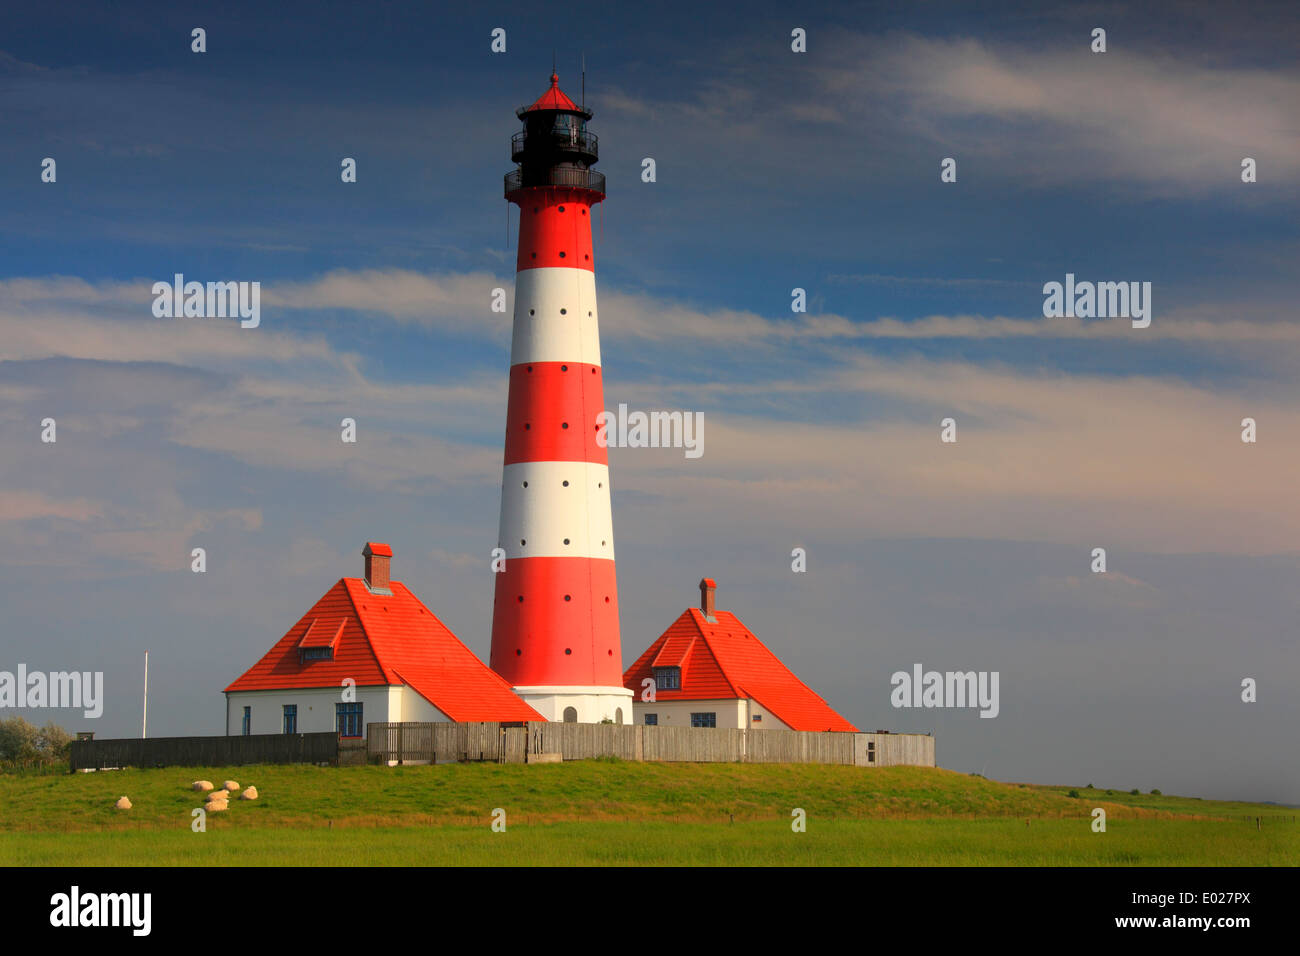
x=611 y=812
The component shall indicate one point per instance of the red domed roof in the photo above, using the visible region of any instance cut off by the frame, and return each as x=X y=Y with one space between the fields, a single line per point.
x=554 y=99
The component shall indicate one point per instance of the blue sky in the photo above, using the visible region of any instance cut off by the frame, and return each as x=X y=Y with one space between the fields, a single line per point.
x=775 y=170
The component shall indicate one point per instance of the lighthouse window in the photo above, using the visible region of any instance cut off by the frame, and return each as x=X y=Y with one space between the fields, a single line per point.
x=568 y=651
x=561 y=209
x=566 y=484
x=568 y=597
x=525 y=484
x=564 y=424
x=564 y=311
x=532 y=312
x=566 y=540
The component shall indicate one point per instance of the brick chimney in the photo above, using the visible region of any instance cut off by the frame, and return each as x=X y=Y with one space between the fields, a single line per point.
x=707 y=588
x=378 y=556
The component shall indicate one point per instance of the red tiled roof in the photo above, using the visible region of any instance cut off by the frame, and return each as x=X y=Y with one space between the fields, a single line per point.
x=553 y=99
x=322 y=637
x=724 y=660
x=379 y=548
x=674 y=650
x=386 y=639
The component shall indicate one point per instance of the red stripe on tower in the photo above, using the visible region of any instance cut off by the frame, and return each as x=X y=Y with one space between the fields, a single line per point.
x=555 y=634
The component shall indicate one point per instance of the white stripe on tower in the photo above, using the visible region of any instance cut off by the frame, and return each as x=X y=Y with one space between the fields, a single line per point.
x=555 y=317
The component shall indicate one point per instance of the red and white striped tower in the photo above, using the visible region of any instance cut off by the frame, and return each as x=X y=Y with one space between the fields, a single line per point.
x=555 y=619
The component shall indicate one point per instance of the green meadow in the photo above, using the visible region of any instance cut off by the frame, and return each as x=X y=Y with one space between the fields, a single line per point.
x=611 y=813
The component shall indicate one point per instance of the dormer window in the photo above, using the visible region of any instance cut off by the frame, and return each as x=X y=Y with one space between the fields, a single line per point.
x=668 y=678
x=317 y=654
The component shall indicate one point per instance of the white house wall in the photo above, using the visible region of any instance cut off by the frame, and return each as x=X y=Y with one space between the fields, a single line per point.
x=767 y=721
x=316 y=708
x=415 y=708
x=732 y=712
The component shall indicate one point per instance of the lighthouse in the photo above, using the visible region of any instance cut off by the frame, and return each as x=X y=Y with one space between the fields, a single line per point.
x=555 y=634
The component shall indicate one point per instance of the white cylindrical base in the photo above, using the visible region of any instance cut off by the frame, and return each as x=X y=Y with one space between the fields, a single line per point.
x=590 y=705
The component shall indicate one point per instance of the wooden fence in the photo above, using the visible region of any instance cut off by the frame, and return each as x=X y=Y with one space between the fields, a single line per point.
x=440 y=742
x=203 y=751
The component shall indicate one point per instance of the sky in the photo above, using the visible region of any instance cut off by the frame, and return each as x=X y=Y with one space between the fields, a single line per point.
x=775 y=170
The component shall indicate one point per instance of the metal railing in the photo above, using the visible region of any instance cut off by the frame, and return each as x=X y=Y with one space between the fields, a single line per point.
x=570 y=176
x=558 y=138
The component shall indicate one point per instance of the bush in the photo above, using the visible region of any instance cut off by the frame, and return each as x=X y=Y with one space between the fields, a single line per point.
x=17 y=740
x=1090 y=787
x=23 y=744
x=1134 y=791
x=1073 y=793
x=1156 y=793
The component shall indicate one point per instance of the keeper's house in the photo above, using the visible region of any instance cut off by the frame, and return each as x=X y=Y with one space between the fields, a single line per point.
x=403 y=664
x=709 y=670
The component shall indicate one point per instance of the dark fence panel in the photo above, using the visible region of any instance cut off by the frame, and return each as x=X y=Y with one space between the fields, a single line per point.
x=204 y=751
x=427 y=742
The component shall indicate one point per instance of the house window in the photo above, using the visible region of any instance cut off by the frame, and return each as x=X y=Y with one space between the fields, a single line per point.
x=570 y=715
x=704 y=720
x=871 y=751
x=290 y=718
x=317 y=653
x=758 y=718
x=248 y=721
x=618 y=715
x=652 y=720
x=668 y=678
x=349 y=719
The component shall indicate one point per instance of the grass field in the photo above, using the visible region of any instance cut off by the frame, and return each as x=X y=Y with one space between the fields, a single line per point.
x=614 y=813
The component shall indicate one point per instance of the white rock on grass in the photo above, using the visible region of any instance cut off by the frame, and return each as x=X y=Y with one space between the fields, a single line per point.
x=230 y=785
x=202 y=784
x=249 y=794
x=123 y=804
